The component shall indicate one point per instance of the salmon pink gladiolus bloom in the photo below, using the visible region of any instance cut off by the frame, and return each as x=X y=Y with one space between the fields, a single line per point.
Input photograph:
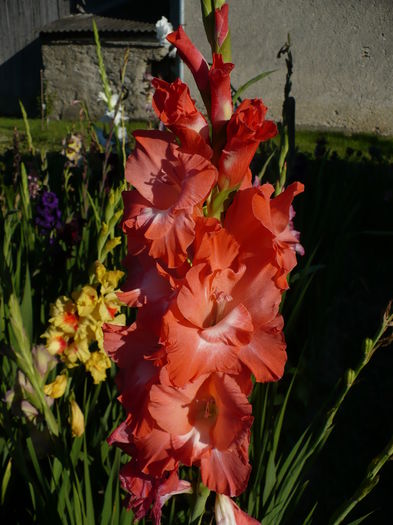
x=149 y=494
x=209 y=422
x=224 y=317
x=269 y=221
x=171 y=187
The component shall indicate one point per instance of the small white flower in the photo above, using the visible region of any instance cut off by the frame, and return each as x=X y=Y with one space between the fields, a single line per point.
x=114 y=113
x=122 y=134
x=163 y=28
x=112 y=101
x=102 y=96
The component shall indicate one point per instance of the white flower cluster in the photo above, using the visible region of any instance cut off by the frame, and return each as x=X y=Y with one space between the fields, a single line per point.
x=114 y=112
x=163 y=28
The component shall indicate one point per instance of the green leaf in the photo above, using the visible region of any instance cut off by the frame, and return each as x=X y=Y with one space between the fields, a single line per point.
x=250 y=83
x=116 y=506
x=202 y=493
x=265 y=166
x=208 y=20
x=126 y=517
x=360 y=520
x=36 y=465
x=89 y=498
x=27 y=128
x=5 y=481
x=32 y=495
x=95 y=211
x=64 y=492
x=308 y=520
x=25 y=192
x=26 y=306
x=294 y=456
x=77 y=507
x=270 y=478
x=107 y=508
x=278 y=426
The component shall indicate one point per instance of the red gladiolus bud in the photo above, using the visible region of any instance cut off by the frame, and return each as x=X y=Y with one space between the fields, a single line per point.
x=176 y=110
x=221 y=99
x=193 y=59
x=221 y=24
x=246 y=129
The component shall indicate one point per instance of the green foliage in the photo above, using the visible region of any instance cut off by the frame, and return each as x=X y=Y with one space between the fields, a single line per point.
x=249 y=83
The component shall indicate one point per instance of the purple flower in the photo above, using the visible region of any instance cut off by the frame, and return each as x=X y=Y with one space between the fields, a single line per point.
x=48 y=214
x=50 y=200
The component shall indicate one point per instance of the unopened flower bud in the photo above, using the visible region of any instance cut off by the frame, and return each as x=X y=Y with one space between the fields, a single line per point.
x=368 y=345
x=112 y=243
x=104 y=228
x=350 y=377
x=77 y=420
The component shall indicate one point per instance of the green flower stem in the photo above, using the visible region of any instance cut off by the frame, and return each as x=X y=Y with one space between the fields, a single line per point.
x=217 y=201
x=369 y=348
x=101 y=66
x=282 y=164
x=370 y=481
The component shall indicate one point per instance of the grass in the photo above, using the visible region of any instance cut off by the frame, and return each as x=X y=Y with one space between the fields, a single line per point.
x=361 y=146
x=371 y=147
x=48 y=136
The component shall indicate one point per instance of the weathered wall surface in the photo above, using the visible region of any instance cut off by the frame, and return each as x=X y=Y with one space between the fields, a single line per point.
x=20 y=53
x=71 y=73
x=20 y=49
x=342 y=52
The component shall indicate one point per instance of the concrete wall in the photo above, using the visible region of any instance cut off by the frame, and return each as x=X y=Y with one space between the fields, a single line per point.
x=342 y=53
x=71 y=73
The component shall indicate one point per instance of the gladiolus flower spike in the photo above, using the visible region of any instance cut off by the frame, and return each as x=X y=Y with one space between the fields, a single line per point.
x=206 y=275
